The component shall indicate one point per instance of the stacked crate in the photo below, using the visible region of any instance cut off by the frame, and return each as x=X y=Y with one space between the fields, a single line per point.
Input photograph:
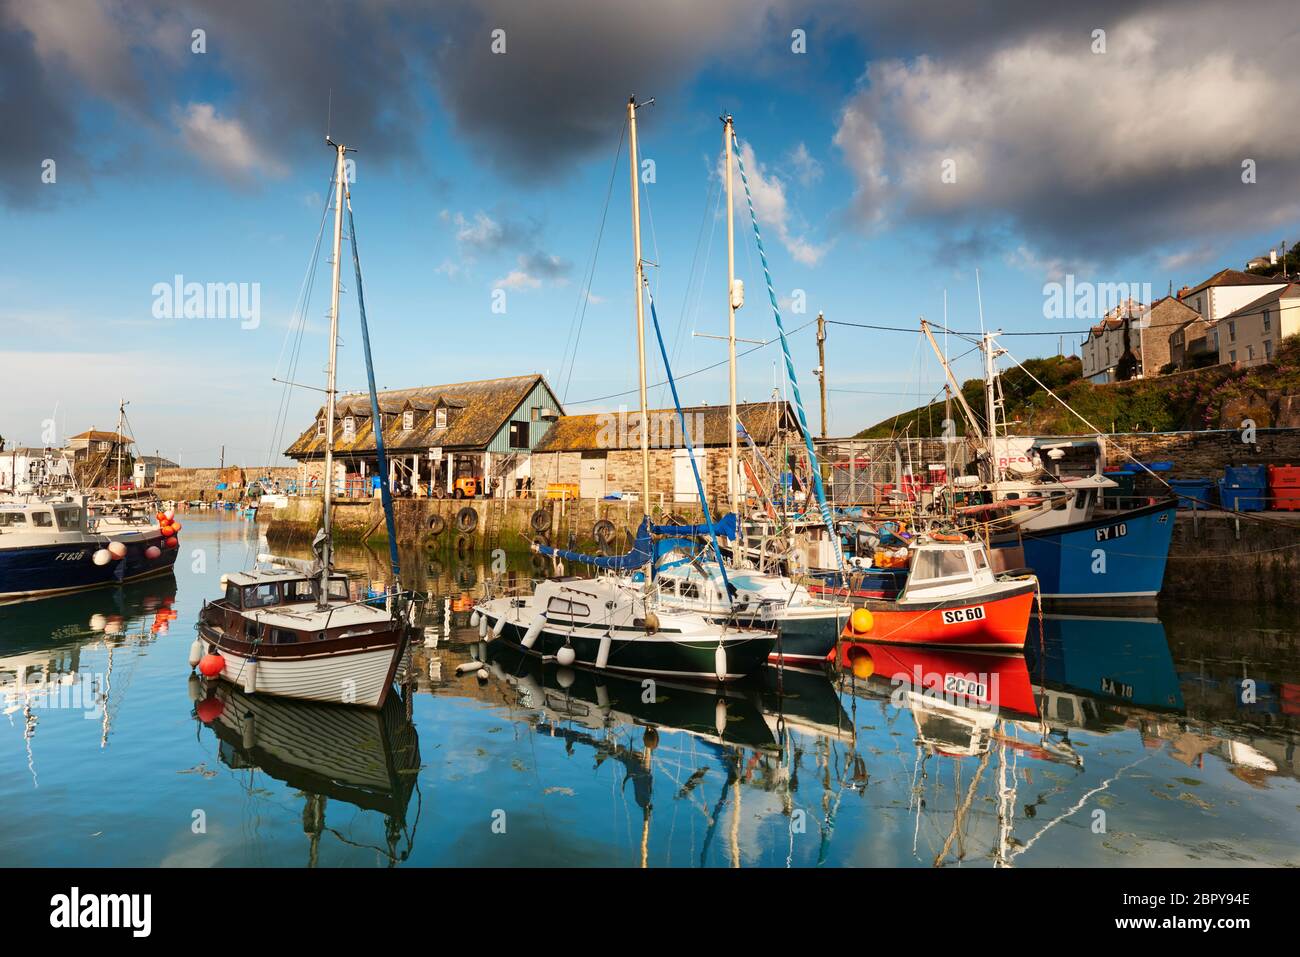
x=1284 y=486
x=1244 y=488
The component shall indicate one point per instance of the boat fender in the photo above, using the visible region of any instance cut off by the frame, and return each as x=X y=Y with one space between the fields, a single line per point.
x=603 y=532
x=102 y=556
x=602 y=653
x=473 y=618
x=720 y=662
x=465 y=667
x=482 y=626
x=861 y=621
x=651 y=622
x=541 y=520
x=566 y=656
x=437 y=524
x=211 y=665
x=534 y=629
x=250 y=676
x=117 y=550
x=482 y=675
x=499 y=627
x=196 y=652
x=467 y=520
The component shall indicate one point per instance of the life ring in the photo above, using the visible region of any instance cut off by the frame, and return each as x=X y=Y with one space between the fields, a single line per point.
x=541 y=520
x=603 y=532
x=437 y=524
x=467 y=520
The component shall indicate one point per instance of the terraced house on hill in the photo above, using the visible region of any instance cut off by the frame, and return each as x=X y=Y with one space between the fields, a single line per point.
x=459 y=439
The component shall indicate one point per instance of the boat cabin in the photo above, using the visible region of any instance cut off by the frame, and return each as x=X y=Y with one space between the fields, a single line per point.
x=43 y=516
x=267 y=588
x=941 y=570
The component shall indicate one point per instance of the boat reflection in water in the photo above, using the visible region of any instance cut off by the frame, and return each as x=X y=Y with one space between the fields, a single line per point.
x=367 y=758
x=679 y=736
x=63 y=652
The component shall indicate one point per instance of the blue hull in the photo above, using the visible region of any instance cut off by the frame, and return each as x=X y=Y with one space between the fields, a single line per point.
x=1120 y=660
x=1120 y=557
x=55 y=569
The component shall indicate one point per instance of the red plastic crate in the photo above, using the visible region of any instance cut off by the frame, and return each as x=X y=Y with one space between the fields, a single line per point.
x=1286 y=499
x=1284 y=476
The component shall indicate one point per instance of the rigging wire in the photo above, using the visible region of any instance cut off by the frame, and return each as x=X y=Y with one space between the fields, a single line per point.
x=584 y=297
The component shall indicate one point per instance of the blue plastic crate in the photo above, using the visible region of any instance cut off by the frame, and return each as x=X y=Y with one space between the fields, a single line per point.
x=1194 y=492
x=1246 y=476
x=1243 y=498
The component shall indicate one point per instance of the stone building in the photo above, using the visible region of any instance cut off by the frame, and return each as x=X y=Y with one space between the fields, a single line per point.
x=599 y=455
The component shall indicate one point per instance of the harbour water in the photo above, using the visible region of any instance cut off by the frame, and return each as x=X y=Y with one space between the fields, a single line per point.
x=1113 y=742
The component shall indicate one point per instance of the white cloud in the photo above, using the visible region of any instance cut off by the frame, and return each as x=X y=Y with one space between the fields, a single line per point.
x=806 y=167
x=517 y=279
x=1082 y=152
x=771 y=207
x=223 y=143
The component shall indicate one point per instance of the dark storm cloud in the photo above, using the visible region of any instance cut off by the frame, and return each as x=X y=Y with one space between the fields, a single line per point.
x=37 y=123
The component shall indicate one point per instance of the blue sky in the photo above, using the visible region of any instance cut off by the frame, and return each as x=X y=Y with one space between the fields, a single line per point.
x=479 y=171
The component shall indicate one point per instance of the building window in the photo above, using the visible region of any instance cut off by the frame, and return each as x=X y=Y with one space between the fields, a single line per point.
x=1250 y=353
x=103 y=446
x=320 y=425
x=1268 y=348
x=535 y=413
x=349 y=427
x=440 y=418
x=408 y=420
x=1268 y=322
x=1232 y=331
x=1232 y=355
x=519 y=435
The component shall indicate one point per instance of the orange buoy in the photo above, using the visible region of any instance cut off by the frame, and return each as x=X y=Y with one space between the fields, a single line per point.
x=861 y=621
x=171 y=542
x=211 y=665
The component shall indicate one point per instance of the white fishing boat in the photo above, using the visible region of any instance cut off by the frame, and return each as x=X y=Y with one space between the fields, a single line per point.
x=291 y=628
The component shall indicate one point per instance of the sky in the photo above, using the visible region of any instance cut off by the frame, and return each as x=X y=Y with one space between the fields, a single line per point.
x=896 y=151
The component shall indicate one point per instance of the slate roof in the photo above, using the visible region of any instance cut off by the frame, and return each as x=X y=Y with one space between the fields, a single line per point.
x=1230 y=277
x=476 y=413
x=605 y=430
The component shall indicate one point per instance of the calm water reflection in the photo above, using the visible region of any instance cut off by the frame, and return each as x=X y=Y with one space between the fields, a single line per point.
x=1115 y=742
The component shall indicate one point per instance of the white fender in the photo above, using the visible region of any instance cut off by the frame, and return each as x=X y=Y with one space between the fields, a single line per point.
x=720 y=662
x=566 y=656
x=499 y=627
x=250 y=676
x=534 y=629
x=473 y=618
x=465 y=667
x=602 y=653
x=482 y=626
x=196 y=652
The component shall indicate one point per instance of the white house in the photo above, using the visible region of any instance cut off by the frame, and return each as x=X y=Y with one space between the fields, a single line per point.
x=1250 y=335
x=1225 y=292
x=21 y=465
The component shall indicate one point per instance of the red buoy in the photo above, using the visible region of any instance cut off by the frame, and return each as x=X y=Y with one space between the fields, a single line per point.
x=211 y=665
x=172 y=542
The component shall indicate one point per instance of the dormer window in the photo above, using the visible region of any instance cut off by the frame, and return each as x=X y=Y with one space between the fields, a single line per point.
x=440 y=417
x=320 y=425
x=408 y=420
x=349 y=427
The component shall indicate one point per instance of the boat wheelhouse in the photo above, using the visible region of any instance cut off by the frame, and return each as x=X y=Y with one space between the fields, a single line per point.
x=952 y=598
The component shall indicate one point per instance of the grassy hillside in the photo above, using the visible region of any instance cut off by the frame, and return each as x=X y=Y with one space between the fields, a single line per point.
x=1217 y=397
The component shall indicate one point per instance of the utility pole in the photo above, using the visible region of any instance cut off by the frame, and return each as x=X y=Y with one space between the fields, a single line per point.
x=223 y=458
x=821 y=364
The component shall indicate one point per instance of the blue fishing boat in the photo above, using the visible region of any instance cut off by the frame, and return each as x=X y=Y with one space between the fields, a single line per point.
x=1118 y=557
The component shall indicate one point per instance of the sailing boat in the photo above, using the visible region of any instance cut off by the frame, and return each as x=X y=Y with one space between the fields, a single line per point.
x=808 y=627
x=288 y=627
x=612 y=622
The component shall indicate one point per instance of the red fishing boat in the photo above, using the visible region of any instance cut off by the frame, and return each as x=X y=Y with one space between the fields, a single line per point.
x=952 y=599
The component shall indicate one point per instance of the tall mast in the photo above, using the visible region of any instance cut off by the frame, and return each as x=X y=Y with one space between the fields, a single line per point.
x=733 y=303
x=640 y=308
x=327 y=549
x=117 y=443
